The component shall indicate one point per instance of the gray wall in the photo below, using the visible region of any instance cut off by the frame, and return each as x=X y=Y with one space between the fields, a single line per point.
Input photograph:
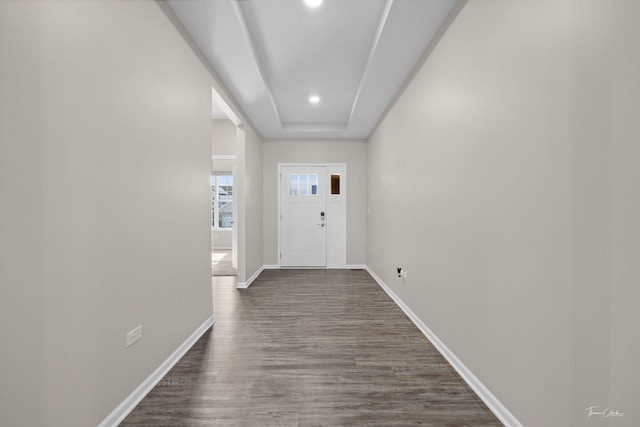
x=223 y=137
x=22 y=273
x=105 y=159
x=503 y=182
x=353 y=153
x=625 y=211
x=253 y=151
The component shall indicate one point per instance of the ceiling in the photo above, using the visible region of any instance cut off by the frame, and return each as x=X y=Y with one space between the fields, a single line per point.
x=272 y=55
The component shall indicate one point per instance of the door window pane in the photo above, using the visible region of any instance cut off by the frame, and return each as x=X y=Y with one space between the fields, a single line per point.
x=303 y=184
x=293 y=184
x=313 y=184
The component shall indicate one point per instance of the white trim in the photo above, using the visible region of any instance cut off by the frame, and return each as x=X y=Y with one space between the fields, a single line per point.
x=372 y=52
x=492 y=402
x=121 y=411
x=224 y=157
x=345 y=267
x=310 y=165
x=257 y=58
x=217 y=99
x=254 y=276
x=315 y=127
x=221 y=248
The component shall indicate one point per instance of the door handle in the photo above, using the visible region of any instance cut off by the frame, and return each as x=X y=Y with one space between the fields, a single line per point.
x=321 y=225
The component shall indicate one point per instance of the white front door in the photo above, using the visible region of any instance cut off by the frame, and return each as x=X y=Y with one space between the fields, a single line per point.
x=303 y=207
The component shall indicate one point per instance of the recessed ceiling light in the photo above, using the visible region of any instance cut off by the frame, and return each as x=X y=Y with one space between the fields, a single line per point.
x=313 y=3
x=314 y=99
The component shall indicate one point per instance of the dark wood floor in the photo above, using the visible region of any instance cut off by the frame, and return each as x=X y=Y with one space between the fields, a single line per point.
x=310 y=348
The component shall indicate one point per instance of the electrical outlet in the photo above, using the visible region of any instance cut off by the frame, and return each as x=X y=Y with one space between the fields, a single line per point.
x=133 y=335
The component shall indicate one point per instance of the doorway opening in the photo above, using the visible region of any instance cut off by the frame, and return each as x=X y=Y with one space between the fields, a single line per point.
x=225 y=140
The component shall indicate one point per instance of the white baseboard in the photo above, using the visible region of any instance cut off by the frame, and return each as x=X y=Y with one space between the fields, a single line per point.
x=492 y=402
x=254 y=276
x=120 y=413
x=356 y=267
x=333 y=267
x=348 y=267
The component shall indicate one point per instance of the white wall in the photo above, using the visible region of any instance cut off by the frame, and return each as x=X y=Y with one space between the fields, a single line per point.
x=351 y=152
x=502 y=181
x=105 y=192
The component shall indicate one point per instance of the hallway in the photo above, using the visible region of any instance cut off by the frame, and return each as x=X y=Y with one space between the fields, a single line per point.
x=221 y=263
x=310 y=347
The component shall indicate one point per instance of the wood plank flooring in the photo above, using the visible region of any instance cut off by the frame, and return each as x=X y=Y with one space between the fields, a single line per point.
x=310 y=348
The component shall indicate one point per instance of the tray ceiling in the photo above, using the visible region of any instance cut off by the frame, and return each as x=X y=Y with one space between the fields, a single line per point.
x=273 y=55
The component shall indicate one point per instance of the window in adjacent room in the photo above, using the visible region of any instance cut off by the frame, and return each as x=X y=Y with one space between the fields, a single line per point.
x=222 y=200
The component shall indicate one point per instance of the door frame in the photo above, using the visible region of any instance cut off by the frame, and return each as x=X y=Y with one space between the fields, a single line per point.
x=330 y=261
